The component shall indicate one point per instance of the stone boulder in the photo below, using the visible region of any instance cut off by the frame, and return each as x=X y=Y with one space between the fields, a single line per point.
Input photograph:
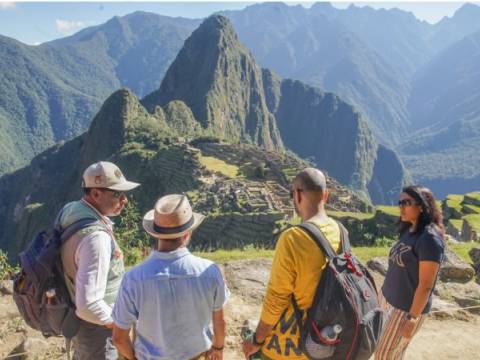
x=463 y=296
x=378 y=264
x=248 y=278
x=6 y=287
x=454 y=269
x=29 y=348
x=475 y=255
x=444 y=310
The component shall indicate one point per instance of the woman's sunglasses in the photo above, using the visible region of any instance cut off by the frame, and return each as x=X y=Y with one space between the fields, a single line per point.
x=406 y=202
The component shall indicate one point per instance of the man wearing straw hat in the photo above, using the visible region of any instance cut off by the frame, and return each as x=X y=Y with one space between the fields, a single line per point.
x=173 y=295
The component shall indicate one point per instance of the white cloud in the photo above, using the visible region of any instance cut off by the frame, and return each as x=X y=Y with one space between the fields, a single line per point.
x=66 y=27
x=5 y=5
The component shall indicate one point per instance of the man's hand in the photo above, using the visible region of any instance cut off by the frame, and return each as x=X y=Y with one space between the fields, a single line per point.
x=109 y=326
x=215 y=354
x=249 y=348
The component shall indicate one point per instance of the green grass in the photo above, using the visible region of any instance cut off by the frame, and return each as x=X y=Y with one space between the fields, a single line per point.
x=33 y=206
x=390 y=210
x=462 y=249
x=216 y=165
x=455 y=197
x=355 y=215
x=290 y=173
x=223 y=256
x=454 y=204
x=474 y=195
x=473 y=220
x=364 y=253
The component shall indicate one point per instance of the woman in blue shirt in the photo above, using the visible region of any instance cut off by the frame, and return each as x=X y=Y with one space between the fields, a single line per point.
x=413 y=265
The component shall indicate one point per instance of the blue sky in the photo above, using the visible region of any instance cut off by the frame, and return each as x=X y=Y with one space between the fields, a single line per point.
x=34 y=23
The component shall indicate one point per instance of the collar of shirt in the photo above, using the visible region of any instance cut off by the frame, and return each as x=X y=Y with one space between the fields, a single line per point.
x=171 y=255
x=104 y=218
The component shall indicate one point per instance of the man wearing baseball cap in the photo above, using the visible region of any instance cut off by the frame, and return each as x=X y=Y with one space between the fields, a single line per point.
x=92 y=260
x=173 y=295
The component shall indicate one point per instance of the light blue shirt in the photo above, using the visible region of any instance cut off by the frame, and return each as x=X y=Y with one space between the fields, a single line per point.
x=171 y=296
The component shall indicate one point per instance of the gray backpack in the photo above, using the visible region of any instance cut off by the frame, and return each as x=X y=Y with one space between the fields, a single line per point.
x=39 y=289
x=346 y=301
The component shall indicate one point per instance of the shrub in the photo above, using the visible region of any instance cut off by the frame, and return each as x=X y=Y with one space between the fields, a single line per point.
x=6 y=270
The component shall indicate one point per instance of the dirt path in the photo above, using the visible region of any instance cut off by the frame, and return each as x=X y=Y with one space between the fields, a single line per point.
x=438 y=339
x=446 y=339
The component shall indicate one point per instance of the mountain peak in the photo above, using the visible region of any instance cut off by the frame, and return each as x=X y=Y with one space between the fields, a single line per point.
x=467 y=8
x=218 y=78
x=109 y=130
x=323 y=6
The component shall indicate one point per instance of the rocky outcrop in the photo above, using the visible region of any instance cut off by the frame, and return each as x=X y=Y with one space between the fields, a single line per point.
x=379 y=264
x=454 y=269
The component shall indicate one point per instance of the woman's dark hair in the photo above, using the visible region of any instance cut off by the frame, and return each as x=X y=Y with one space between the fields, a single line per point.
x=431 y=216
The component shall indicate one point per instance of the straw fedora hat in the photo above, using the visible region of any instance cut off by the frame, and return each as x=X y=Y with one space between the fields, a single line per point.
x=171 y=217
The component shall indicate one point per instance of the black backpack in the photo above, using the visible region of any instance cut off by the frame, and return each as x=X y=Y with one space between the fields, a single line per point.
x=39 y=289
x=347 y=296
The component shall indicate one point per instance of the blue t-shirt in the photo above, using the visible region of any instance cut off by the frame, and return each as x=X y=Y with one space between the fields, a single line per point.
x=401 y=280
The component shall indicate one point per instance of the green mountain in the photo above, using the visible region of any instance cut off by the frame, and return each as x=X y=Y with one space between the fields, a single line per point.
x=322 y=127
x=40 y=103
x=243 y=188
x=308 y=45
x=219 y=80
x=444 y=104
x=135 y=49
x=150 y=152
x=447 y=89
x=465 y=21
x=51 y=92
x=233 y=99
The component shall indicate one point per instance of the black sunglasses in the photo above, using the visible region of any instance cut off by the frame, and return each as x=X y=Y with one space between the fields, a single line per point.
x=406 y=202
x=292 y=191
x=116 y=194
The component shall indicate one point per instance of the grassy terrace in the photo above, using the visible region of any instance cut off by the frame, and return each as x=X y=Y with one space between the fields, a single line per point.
x=471 y=209
x=390 y=210
x=474 y=195
x=454 y=201
x=354 y=215
x=364 y=253
x=473 y=220
x=216 y=165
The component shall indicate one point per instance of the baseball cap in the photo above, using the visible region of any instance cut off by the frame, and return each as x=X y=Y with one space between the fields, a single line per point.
x=104 y=174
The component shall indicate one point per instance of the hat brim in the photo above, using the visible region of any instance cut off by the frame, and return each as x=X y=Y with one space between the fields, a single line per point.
x=124 y=186
x=148 y=226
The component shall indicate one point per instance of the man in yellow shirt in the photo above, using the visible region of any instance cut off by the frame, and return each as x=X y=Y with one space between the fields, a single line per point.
x=297 y=266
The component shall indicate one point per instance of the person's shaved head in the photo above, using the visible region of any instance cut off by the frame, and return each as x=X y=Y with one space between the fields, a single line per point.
x=309 y=193
x=311 y=179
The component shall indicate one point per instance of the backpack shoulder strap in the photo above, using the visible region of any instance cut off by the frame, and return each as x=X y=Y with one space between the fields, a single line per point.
x=79 y=225
x=317 y=235
x=344 y=238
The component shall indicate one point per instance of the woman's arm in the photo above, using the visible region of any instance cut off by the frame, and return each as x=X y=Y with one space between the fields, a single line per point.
x=426 y=280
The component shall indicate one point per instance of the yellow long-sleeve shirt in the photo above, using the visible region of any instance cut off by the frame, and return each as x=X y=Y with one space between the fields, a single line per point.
x=297 y=267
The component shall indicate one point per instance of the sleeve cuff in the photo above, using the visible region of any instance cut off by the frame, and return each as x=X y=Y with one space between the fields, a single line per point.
x=268 y=318
x=122 y=325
